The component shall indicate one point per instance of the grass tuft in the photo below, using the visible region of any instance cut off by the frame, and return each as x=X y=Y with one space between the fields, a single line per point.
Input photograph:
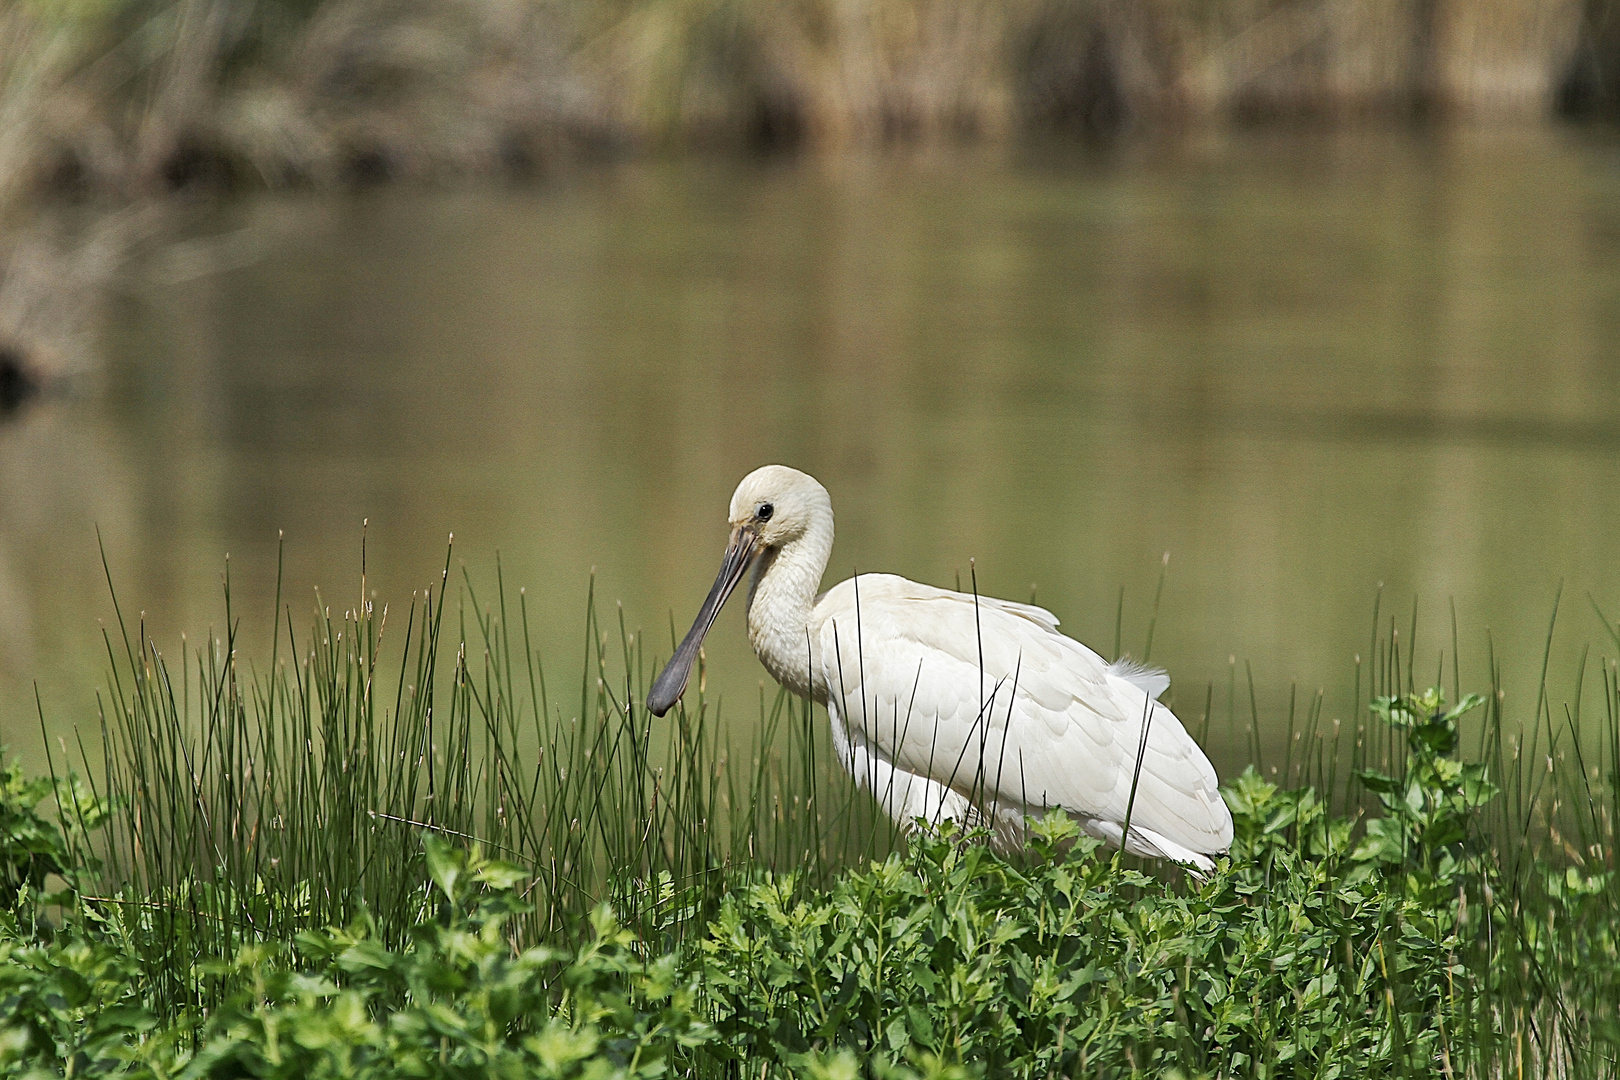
x=262 y=802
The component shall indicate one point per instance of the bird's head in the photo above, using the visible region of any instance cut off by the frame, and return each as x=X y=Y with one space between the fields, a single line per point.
x=777 y=505
x=771 y=508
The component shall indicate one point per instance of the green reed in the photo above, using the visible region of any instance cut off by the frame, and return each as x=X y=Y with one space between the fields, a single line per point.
x=259 y=801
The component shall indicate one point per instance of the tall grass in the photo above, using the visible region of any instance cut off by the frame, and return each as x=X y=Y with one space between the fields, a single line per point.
x=264 y=799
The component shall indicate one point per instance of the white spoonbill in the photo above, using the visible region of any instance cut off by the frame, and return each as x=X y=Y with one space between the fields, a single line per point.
x=948 y=705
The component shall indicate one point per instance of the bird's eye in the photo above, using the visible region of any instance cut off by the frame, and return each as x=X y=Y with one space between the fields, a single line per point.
x=765 y=511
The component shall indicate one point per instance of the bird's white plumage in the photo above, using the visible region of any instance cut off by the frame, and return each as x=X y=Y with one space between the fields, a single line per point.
x=948 y=705
x=989 y=700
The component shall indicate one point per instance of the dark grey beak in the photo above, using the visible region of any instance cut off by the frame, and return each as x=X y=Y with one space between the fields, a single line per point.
x=671 y=682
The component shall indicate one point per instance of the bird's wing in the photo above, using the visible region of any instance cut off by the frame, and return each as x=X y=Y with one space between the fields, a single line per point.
x=998 y=705
x=1037 y=615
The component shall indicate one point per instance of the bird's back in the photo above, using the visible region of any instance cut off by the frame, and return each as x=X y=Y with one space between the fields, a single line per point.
x=988 y=698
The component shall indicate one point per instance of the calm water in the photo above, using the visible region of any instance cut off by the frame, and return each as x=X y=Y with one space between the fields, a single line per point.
x=1303 y=368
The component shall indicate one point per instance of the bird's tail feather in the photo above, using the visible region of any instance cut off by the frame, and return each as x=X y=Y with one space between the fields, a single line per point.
x=1149 y=844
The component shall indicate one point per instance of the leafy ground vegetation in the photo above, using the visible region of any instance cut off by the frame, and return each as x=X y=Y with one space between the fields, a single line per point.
x=276 y=874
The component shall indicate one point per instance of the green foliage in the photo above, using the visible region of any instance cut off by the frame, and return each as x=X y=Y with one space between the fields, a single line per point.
x=1431 y=808
x=457 y=1002
x=69 y=1002
x=71 y=1006
x=1071 y=964
x=1269 y=823
x=1312 y=951
x=1317 y=949
x=31 y=848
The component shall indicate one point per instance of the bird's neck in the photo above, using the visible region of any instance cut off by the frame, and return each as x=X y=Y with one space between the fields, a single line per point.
x=780 y=600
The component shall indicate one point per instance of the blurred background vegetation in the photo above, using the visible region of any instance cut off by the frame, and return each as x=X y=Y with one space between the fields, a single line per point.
x=124 y=100
x=124 y=97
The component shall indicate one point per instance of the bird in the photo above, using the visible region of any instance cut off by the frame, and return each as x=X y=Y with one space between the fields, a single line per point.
x=951 y=705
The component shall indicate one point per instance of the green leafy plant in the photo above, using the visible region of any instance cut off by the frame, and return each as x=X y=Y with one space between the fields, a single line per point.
x=70 y=1001
x=70 y=1007
x=31 y=848
x=1431 y=807
x=1319 y=948
x=1070 y=965
x=457 y=1002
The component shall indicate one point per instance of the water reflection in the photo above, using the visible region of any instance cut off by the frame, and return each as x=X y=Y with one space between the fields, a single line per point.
x=1302 y=367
